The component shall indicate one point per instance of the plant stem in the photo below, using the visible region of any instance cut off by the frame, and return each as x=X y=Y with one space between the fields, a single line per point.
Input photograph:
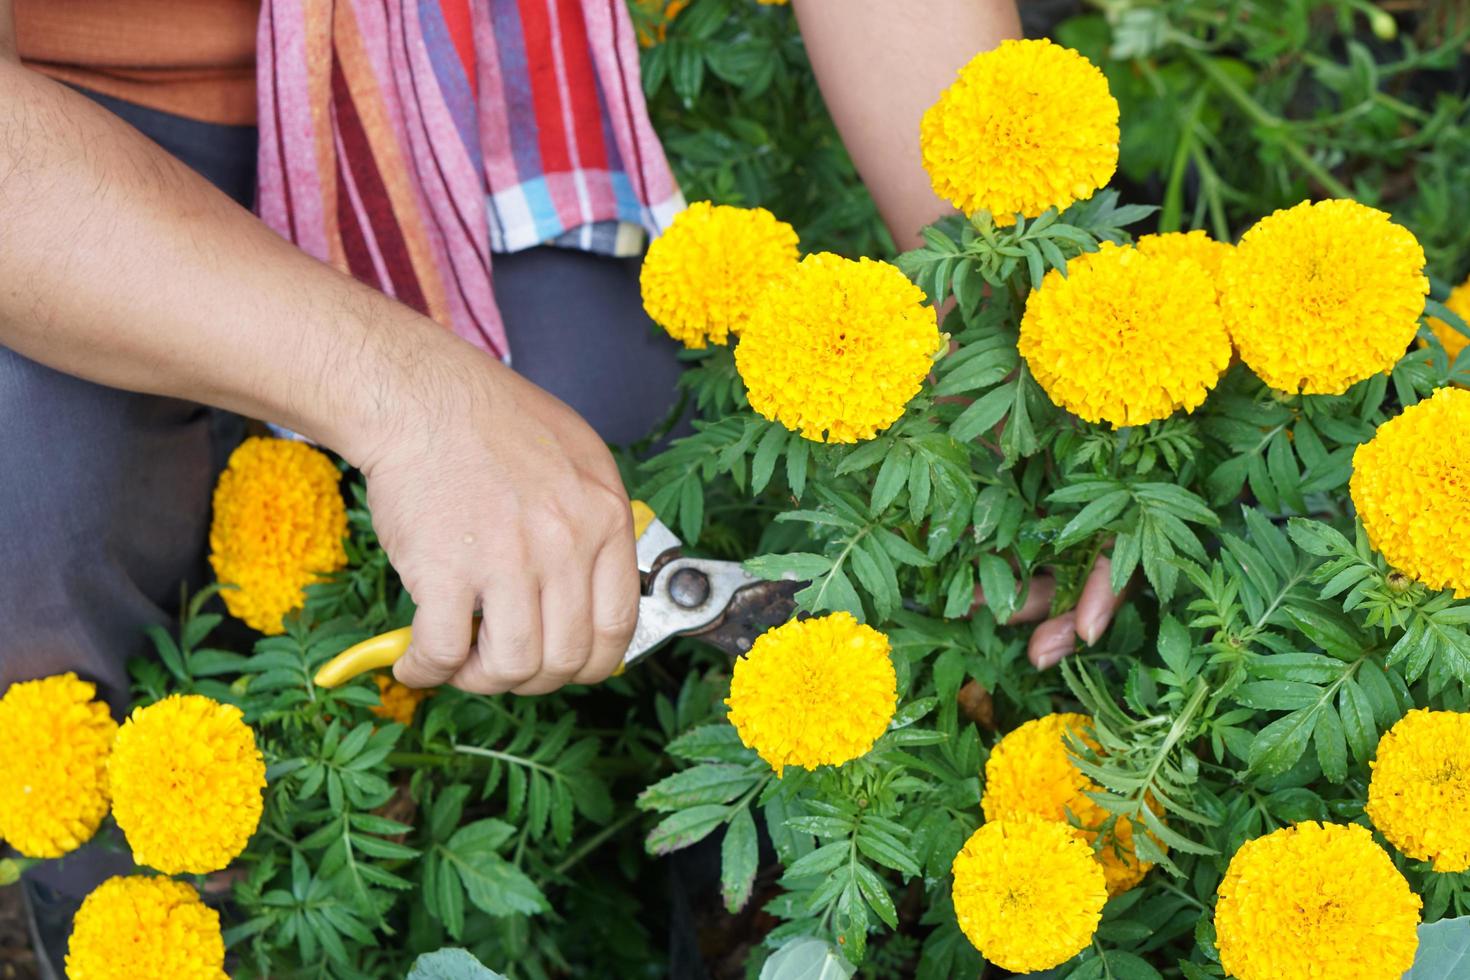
x=407 y=759
x=594 y=842
x=1266 y=119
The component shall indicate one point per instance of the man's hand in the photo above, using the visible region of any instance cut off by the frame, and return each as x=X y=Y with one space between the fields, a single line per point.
x=495 y=495
x=1057 y=636
x=123 y=267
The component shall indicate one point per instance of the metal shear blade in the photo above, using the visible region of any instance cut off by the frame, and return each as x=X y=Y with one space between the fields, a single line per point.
x=717 y=601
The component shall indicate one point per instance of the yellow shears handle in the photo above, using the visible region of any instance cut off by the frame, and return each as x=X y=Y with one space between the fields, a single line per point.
x=385 y=649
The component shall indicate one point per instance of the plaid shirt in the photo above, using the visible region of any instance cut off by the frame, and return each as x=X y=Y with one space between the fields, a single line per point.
x=404 y=141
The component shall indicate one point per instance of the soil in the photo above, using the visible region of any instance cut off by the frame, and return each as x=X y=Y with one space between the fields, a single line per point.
x=16 y=960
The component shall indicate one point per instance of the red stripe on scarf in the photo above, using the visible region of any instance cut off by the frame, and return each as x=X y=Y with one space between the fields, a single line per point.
x=461 y=25
x=373 y=194
x=582 y=81
x=545 y=95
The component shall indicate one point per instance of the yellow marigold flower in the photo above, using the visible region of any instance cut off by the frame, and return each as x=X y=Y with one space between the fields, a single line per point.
x=1124 y=337
x=186 y=784
x=837 y=349
x=1452 y=340
x=1195 y=246
x=662 y=13
x=53 y=771
x=1029 y=773
x=1419 y=796
x=399 y=701
x=1321 y=296
x=1028 y=126
x=1315 y=902
x=1027 y=893
x=814 y=692
x=278 y=527
x=701 y=276
x=142 y=928
x=1411 y=487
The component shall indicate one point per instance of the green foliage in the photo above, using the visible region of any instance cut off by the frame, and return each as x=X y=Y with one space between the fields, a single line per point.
x=1244 y=689
x=450 y=964
x=732 y=95
x=1245 y=686
x=1231 y=111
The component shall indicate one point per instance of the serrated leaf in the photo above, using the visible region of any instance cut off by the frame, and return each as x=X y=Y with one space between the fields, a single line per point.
x=1278 y=746
x=807 y=958
x=738 y=860
x=679 y=830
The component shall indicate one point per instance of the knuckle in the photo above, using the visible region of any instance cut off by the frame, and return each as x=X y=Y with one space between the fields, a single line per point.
x=618 y=620
x=566 y=661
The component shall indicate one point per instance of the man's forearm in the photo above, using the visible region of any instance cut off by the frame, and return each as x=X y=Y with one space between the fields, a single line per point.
x=881 y=64
x=119 y=264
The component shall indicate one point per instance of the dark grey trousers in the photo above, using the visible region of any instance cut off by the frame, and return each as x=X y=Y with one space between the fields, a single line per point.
x=104 y=494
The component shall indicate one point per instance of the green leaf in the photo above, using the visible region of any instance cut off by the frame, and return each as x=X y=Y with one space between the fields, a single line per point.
x=1357 y=720
x=886 y=849
x=709 y=783
x=998 y=585
x=892 y=476
x=983 y=415
x=1278 y=746
x=876 y=895
x=450 y=964
x=1444 y=950
x=1174 y=646
x=1316 y=538
x=1093 y=517
x=921 y=484
x=738 y=859
x=806 y=958
x=822 y=861
x=798 y=453
x=686 y=827
x=764 y=462
x=981 y=371
x=719 y=742
x=493 y=884
x=800 y=565
x=1331 y=745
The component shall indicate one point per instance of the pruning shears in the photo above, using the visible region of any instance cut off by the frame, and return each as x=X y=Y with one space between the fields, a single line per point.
x=718 y=602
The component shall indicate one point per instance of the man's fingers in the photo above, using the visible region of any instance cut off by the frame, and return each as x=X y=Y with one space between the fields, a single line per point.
x=1038 y=600
x=1052 y=640
x=614 y=607
x=1099 y=603
x=566 y=634
x=508 y=652
x=441 y=637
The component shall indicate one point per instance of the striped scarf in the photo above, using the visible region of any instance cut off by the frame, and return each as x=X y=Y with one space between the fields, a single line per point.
x=403 y=141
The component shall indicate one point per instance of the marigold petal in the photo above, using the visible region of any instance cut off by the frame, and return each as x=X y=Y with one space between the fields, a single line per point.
x=702 y=276
x=1031 y=773
x=398 y=702
x=1027 y=893
x=1195 y=246
x=279 y=521
x=1419 y=796
x=142 y=928
x=1451 y=339
x=1125 y=337
x=53 y=771
x=814 y=692
x=1315 y=902
x=1320 y=296
x=838 y=348
x=186 y=784
x=1411 y=487
x=1027 y=126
